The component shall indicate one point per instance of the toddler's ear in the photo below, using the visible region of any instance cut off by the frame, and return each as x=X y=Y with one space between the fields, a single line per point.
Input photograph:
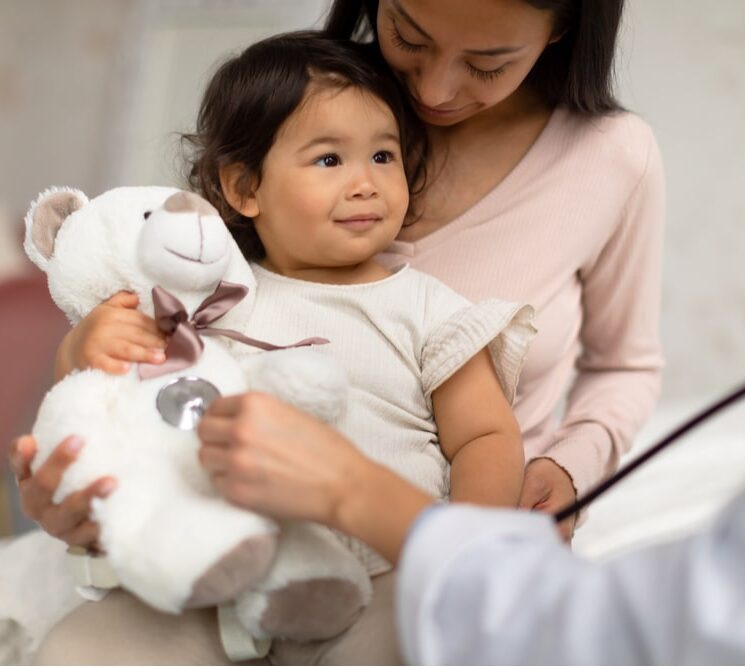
x=44 y=219
x=239 y=189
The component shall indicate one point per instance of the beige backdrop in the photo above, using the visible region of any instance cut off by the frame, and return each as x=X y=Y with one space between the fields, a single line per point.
x=91 y=92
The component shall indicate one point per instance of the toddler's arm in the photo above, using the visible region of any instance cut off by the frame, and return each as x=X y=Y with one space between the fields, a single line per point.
x=479 y=436
x=111 y=336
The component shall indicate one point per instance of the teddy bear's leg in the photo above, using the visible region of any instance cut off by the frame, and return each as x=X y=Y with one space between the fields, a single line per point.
x=237 y=567
x=241 y=566
x=315 y=589
x=187 y=550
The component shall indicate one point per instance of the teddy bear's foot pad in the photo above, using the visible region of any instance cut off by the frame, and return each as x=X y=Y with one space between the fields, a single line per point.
x=242 y=566
x=313 y=609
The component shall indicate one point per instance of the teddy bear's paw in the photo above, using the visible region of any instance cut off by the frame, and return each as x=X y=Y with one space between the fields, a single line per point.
x=307 y=610
x=313 y=382
x=244 y=565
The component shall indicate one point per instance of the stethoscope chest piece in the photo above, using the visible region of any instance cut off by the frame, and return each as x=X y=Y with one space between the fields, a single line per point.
x=183 y=401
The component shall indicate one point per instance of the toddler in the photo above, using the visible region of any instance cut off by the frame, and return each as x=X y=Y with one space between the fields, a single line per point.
x=310 y=155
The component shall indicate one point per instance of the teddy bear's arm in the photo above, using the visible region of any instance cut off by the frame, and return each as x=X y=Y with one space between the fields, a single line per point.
x=303 y=377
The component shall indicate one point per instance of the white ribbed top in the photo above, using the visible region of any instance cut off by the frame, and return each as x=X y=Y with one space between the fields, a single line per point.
x=398 y=339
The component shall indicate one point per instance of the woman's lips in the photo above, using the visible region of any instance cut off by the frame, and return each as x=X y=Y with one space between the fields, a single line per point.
x=437 y=113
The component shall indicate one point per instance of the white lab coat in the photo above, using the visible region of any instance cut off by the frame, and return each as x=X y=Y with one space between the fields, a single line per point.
x=481 y=586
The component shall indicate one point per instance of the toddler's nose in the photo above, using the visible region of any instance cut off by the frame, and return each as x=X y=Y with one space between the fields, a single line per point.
x=363 y=186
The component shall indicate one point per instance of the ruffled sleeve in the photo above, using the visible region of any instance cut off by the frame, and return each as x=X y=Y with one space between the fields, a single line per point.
x=505 y=328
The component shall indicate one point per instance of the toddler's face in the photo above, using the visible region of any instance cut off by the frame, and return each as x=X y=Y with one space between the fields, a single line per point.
x=333 y=191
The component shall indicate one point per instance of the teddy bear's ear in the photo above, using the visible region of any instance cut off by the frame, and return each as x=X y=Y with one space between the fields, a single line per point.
x=44 y=219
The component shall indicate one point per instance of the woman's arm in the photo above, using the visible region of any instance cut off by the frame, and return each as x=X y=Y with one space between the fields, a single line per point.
x=619 y=372
x=270 y=457
x=479 y=435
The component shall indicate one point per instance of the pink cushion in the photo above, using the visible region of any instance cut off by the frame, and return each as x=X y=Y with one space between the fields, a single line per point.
x=31 y=327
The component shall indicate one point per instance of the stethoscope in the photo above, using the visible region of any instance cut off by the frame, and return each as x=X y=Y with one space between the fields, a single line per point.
x=694 y=421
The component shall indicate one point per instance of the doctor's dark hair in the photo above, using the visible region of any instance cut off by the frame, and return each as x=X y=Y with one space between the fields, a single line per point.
x=251 y=95
x=576 y=71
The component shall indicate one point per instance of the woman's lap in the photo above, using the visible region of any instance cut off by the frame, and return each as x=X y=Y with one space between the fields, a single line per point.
x=121 y=630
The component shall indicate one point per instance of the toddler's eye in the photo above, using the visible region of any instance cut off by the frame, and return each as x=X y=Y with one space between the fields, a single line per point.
x=329 y=160
x=383 y=157
x=147 y=214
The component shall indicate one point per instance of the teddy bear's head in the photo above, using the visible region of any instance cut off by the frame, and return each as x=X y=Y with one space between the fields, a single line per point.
x=131 y=238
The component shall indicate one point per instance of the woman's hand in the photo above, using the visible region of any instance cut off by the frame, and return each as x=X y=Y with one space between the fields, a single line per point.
x=548 y=488
x=68 y=520
x=270 y=457
x=113 y=335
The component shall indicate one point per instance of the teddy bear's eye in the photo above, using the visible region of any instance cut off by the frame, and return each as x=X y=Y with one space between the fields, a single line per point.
x=147 y=214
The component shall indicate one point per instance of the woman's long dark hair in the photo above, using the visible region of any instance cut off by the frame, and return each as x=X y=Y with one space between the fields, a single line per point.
x=252 y=95
x=576 y=71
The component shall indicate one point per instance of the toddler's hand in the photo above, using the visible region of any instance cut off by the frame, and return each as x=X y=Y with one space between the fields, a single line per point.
x=110 y=337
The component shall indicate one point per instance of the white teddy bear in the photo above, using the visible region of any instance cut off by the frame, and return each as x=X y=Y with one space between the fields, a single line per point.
x=169 y=537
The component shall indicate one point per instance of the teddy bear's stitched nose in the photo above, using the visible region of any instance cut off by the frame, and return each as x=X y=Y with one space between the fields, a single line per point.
x=188 y=202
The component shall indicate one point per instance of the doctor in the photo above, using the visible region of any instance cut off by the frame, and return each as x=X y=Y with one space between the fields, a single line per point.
x=480 y=585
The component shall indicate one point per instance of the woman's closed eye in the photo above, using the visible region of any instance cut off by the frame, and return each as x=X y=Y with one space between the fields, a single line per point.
x=401 y=43
x=480 y=74
x=485 y=74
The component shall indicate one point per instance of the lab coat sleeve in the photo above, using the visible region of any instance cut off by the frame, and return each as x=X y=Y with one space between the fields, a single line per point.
x=481 y=586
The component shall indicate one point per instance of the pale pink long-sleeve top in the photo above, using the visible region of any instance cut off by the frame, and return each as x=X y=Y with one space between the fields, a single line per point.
x=575 y=229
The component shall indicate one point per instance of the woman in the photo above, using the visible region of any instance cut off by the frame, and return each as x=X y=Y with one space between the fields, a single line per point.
x=540 y=189
x=525 y=135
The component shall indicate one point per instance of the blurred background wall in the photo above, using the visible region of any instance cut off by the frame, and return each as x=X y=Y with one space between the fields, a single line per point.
x=94 y=92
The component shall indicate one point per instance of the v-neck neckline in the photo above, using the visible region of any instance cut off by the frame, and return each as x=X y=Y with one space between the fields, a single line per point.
x=470 y=215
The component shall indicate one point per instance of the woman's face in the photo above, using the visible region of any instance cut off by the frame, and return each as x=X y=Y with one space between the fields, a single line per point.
x=461 y=58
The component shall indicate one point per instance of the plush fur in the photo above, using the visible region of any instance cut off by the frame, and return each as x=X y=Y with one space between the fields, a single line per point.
x=172 y=540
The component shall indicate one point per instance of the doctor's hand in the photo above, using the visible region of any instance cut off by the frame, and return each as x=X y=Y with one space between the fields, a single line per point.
x=267 y=456
x=68 y=520
x=548 y=488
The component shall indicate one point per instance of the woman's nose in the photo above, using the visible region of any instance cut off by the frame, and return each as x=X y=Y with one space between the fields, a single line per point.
x=435 y=83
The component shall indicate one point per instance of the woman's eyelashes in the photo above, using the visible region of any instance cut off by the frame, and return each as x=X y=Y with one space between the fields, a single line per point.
x=485 y=74
x=480 y=74
x=401 y=43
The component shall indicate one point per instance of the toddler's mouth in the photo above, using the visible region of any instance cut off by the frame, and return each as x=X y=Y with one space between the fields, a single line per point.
x=359 y=222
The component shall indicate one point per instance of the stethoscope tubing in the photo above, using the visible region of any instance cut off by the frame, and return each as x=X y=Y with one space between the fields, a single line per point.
x=611 y=481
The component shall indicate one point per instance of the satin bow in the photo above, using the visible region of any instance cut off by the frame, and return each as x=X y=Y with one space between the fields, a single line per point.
x=185 y=344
